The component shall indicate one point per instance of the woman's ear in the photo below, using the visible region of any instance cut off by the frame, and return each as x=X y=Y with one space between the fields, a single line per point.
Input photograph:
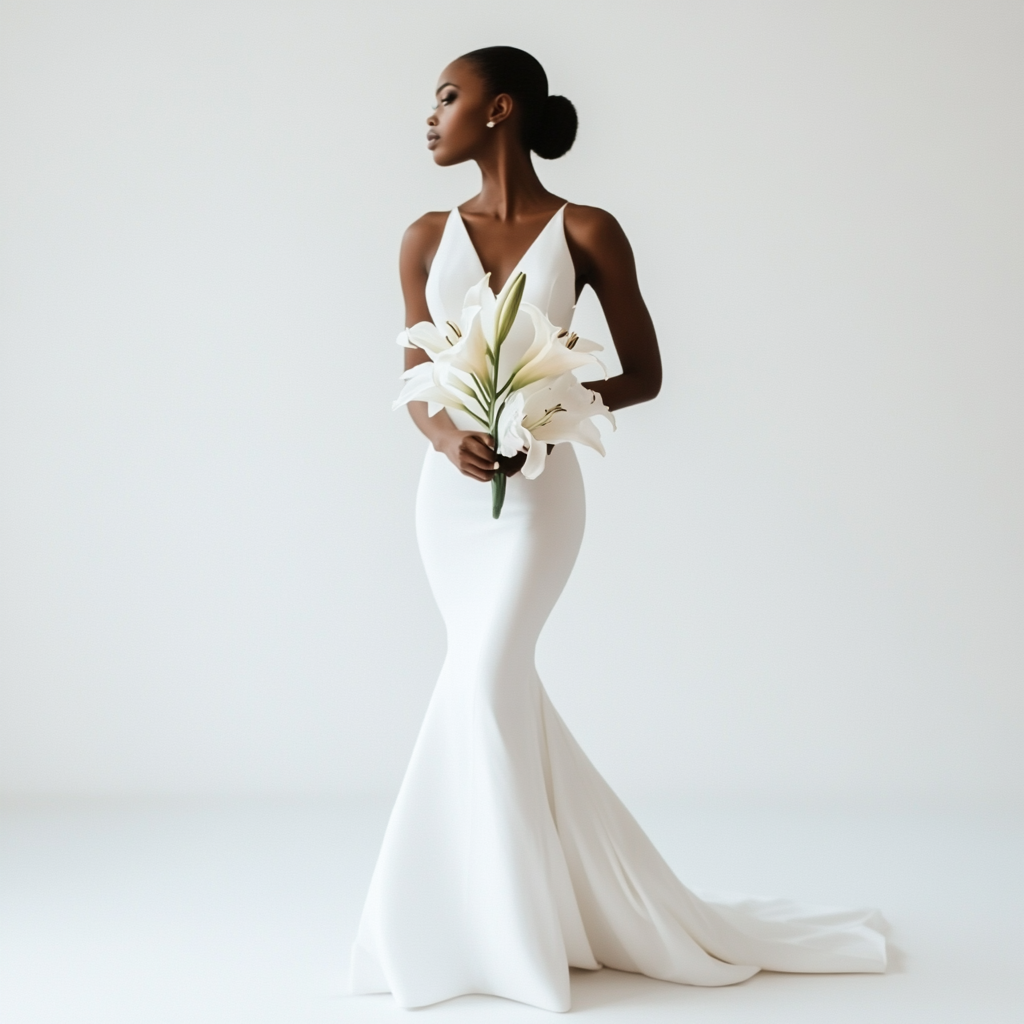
x=501 y=108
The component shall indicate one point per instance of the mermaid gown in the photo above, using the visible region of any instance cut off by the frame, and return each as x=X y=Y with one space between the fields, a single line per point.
x=508 y=859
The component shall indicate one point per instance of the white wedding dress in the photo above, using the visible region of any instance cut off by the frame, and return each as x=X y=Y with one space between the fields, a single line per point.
x=508 y=859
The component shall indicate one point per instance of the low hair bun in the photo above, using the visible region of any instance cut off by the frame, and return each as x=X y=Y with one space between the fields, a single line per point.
x=555 y=129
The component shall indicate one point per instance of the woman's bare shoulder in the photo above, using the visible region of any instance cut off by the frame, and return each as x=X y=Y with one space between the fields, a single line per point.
x=423 y=235
x=592 y=228
x=597 y=243
x=419 y=244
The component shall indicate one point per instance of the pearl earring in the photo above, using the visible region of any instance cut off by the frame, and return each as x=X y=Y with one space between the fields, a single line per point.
x=490 y=124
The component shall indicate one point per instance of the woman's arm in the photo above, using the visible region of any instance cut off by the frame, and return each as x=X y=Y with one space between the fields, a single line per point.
x=604 y=260
x=471 y=451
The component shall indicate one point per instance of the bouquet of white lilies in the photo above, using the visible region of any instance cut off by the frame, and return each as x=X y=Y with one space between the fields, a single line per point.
x=510 y=369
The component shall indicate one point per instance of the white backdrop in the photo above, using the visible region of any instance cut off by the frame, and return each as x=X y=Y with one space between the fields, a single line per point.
x=803 y=568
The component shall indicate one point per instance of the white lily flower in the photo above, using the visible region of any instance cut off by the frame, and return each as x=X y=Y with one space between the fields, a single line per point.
x=481 y=298
x=440 y=388
x=470 y=352
x=578 y=344
x=426 y=336
x=551 y=354
x=554 y=410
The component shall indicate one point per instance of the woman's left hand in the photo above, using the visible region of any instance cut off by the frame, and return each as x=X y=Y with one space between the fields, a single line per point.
x=512 y=465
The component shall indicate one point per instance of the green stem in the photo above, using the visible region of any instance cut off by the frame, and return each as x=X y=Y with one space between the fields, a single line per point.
x=503 y=325
x=499 y=479
x=480 y=384
x=498 y=482
x=505 y=387
x=479 y=419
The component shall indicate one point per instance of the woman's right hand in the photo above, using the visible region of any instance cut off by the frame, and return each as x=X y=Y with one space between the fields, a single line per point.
x=470 y=451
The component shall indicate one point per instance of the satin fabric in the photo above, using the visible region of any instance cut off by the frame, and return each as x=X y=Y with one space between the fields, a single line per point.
x=508 y=859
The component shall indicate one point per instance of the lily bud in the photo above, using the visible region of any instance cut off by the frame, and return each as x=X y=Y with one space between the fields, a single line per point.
x=506 y=314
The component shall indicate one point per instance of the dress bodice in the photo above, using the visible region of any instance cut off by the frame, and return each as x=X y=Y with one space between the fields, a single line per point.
x=550 y=275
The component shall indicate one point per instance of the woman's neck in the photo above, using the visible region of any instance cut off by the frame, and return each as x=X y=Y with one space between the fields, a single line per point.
x=509 y=187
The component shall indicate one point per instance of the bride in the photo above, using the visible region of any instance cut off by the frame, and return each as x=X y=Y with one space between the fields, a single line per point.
x=508 y=859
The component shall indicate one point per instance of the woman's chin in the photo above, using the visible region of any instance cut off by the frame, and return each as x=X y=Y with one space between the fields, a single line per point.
x=444 y=157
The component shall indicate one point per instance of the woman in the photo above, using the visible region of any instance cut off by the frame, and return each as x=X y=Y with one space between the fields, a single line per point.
x=507 y=858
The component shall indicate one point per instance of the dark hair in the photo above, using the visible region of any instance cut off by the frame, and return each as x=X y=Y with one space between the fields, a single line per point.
x=548 y=122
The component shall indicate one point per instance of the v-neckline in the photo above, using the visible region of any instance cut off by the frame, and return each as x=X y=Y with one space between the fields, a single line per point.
x=519 y=262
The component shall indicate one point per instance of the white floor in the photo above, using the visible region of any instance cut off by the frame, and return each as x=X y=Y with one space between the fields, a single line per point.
x=192 y=912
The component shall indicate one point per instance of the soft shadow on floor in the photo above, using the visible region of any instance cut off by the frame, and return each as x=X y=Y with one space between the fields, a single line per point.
x=592 y=989
x=896 y=959
x=769 y=995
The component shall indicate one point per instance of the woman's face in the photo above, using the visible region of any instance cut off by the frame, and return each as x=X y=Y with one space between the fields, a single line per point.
x=458 y=126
